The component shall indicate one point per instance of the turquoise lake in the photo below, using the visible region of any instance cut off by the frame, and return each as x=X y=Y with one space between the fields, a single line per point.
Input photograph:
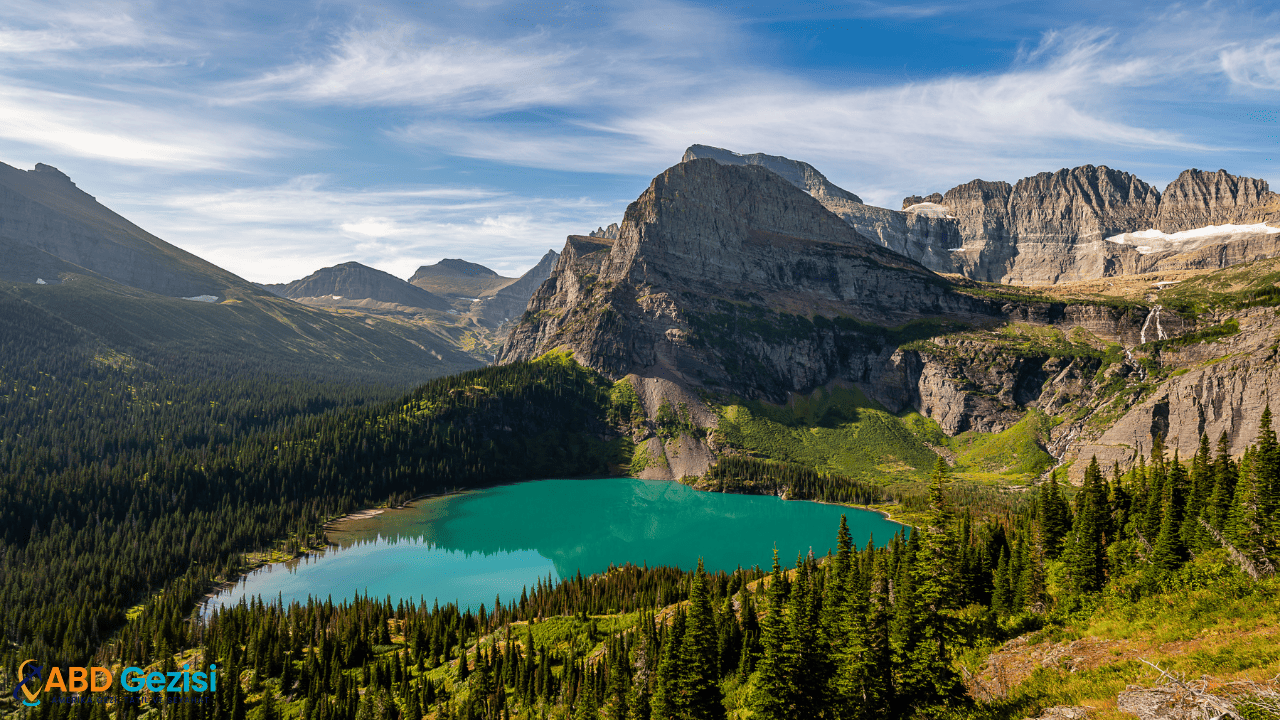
x=469 y=547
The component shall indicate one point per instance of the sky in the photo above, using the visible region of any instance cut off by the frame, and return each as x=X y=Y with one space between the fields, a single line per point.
x=276 y=138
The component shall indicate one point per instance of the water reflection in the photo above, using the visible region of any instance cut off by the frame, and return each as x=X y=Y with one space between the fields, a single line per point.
x=471 y=546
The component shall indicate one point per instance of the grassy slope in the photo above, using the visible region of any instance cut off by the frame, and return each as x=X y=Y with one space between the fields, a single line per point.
x=841 y=430
x=277 y=333
x=1211 y=621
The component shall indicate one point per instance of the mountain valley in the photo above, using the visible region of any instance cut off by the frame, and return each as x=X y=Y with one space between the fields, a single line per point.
x=1031 y=377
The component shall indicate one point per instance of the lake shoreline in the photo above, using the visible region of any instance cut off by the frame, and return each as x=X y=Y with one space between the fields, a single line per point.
x=334 y=525
x=503 y=522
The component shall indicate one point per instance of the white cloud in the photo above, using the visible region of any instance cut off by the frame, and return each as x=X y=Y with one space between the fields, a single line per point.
x=131 y=133
x=1056 y=99
x=285 y=232
x=1255 y=66
x=37 y=29
x=405 y=66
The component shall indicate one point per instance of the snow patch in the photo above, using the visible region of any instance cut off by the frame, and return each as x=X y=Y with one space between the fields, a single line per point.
x=203 y=298
x=336 y=297
x=1152 y=241
x=40 y=281
x=930 y=210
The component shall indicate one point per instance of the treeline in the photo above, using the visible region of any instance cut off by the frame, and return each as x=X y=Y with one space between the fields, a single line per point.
x=119 y=478
x=738 y=473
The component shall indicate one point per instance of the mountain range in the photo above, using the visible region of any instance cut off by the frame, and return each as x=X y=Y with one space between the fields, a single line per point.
x=750 y=278
x=1082 y=296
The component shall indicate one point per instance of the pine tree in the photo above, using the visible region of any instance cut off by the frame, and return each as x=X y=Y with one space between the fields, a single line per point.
x=928 y=677
x=808 y=674
x=667 y=703
x=1086 y=554
x=861 y=689
x=699 y=684
x=1055 y=520
x=772 y=697
x=1169 y=550
x=1224 y=485
x=1199 y=487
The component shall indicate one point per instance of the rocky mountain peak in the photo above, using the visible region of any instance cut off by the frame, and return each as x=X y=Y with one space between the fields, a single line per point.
x=934 y=199
x=801 y=174
x=610 y=232
x=51 y=172
x=706 y=238
x=1198 y=199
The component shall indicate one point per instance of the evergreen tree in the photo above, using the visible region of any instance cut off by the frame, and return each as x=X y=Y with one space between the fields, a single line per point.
x=1169 y=550
x=928 y=677
x=1086 y=560
x=773 y=696
x=667 y=703
x=699 y=684
x=860 y=688
x=808 y=674
x=1055 y=520
x=1224 y=485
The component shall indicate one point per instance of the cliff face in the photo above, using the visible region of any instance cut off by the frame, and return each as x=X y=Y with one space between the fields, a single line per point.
x=801 y=174
x=731 y=280
x=925 y=235
x=720 y=267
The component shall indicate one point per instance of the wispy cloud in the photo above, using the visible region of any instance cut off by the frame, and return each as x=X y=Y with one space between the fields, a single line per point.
x=1058 y=97
x=283 y=232
x=414 y=67
x=37 y=29
x=1254 y=66
x=132 y=134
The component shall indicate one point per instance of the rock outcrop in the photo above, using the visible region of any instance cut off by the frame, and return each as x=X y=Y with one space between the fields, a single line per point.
x=732 y=280
x=801 y=174
x=934 y=199
x=1063 y=226
x=353 y=281
x=729 y=278
x=1224 y=389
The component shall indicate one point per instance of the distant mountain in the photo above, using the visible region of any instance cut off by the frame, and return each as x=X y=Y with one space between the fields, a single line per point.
x=510 y=302
x=42 y=209
x=459 y=279
x=353 y=281
x=66 y=255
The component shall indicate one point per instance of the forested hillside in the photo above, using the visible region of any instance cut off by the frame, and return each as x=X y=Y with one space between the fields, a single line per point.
x=861 y=633
x=120 y=476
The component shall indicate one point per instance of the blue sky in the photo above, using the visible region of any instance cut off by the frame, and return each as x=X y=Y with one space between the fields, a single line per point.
x=274 y=138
